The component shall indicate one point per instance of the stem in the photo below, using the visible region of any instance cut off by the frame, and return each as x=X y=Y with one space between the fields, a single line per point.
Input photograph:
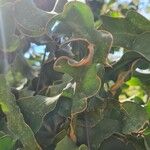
x=55 y=5
x=40 y=76
x=87 y=132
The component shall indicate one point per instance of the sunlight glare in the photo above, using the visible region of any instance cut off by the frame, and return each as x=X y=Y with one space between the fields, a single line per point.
x=3 y=40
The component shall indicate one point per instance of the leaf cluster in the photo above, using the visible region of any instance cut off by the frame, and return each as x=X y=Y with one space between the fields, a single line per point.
x=77 y=98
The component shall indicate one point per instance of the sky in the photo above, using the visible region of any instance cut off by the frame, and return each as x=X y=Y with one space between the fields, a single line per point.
x=143 y=4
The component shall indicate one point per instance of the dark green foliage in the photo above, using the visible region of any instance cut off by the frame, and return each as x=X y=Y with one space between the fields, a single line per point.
x=77 y=98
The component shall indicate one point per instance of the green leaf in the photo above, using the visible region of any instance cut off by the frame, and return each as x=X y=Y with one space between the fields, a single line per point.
x=56 y=124
x=135 y=117
x=6 y=142
x=103 y=42
x=76 y=21
x=31 y=20
x=56 y=89
x=98 y=122
x=2 y=133
x=25 y=93
x=21 y=65
x=144 y=78
x=76 y=15
x=8 y=40
x=123 y=64
x=141 y=44
x=105 y=128
x=147 y=138
x=75 y=12
x=148 y=109
x=86 y=80
x=93 y=115
x=67 y=144
x=15 y=120
x=134 y=82
x=125 y=30
x=117 y=143
x=147 y=142
x=34 y=109
x=138 y=20
x=122 y=30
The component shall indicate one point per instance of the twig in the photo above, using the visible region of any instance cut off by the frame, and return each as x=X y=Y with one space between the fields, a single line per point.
x=87 y=132
x=40 y=76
